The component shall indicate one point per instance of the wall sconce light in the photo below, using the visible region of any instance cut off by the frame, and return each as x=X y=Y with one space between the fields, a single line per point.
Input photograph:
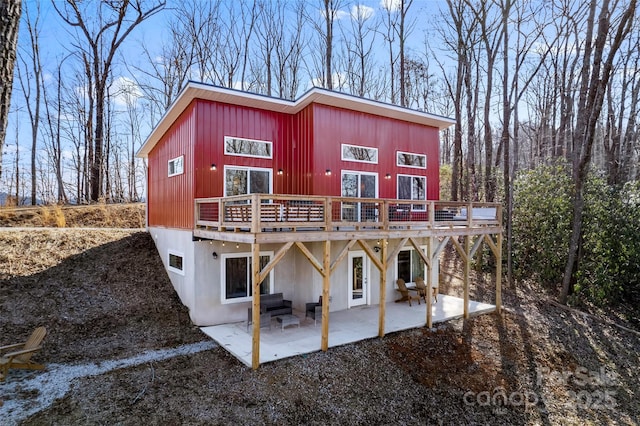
x=213 y=166
x=223 y=244
x=327 y=172
x=280 y=172
x=215 y=255
x=388 y=176
x=237 y=245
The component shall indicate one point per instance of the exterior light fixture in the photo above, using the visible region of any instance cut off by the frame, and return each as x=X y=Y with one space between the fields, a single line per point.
x=388 y=176
x=280 y=172
x=215 y=255
x=213 y=166
x=223 y=244
x=237 y=245
x=327 y=172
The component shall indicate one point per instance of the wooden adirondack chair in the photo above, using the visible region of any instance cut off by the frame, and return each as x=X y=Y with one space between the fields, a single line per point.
x=405 y=293
x=423 y=291
x=20 y=353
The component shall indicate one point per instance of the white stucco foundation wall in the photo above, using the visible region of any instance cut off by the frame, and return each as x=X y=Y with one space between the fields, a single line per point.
x=200 y=285
x=178 y=242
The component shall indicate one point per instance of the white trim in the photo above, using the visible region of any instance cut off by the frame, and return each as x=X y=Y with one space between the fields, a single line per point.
x=366 y=292
x=411 y=153
x=342 y=146
x=171 y=252
x=248 y=169
x=223 y=272
x=248 y=155
x=176 y=162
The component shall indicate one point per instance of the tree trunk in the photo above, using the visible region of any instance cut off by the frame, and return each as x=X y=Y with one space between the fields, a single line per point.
x=10 y=11
x=595 y=76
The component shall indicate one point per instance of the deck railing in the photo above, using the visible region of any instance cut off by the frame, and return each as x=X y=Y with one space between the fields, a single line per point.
x=259 y=212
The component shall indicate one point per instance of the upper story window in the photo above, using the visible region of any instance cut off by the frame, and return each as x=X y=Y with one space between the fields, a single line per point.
x=246 y=180
x=407 y=159
x=361 y=154
x=247 y=147
x=176 y=166
x=412 y=188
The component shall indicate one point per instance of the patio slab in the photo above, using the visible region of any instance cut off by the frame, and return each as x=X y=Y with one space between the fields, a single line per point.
x=348 y=326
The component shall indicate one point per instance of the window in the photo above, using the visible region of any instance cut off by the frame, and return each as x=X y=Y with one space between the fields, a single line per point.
x=176 y=166
x=407 y=159
x=359 y=153
x=237 y=277
x=247 y=147
x=413 y=188
x=245 y=180
x=176 y=262
x=409 y=265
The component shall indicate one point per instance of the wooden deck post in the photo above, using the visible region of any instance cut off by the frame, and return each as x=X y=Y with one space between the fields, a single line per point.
x=383 y=289
x=467 y=270
x=499 y=274
x=430 y=254
x=326 y=266
x=255 y=349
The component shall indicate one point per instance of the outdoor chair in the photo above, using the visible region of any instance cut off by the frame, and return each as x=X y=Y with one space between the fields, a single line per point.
x=314 y=310
x=265 y=318
x=422 y=289
x=405 y=293
x=20 y=354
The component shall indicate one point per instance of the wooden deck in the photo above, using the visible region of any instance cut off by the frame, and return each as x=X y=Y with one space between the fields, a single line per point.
x=293 y=220
x=271 y=218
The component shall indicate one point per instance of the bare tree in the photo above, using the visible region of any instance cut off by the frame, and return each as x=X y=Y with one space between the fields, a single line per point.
x=289 y=54
x=10 y=11
x=598 y=59
x=30 y=77
x=491 y=37
x=115 y=21
x=54 y=122
x=459 y=26
x=359 y=49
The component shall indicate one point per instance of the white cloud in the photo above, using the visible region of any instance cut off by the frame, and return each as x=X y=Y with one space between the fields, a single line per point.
x=337 y=14
x=125 y=91
x=338 y=79
x=361 y=12
x=391 y=5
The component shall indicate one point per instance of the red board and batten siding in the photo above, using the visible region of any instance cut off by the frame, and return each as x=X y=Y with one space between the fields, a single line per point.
x=170 y=199
x=217 y=120
x=334 y=126
x=304 y=146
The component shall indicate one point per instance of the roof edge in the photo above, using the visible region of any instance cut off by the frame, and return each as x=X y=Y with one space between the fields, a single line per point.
x=198 y=90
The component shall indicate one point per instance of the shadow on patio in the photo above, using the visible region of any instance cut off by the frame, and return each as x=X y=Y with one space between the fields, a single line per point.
x=346 y=326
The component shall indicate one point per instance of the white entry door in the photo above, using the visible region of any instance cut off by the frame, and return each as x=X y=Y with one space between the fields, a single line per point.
x=358 y=279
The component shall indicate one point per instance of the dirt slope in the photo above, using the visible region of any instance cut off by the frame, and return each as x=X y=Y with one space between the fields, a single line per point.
x=105 y=295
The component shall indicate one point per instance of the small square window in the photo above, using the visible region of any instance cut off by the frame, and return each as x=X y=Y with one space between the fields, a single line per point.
x=176 y=166
x=176 y=263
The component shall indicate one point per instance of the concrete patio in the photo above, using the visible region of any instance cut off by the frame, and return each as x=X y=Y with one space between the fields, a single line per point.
x=346 y=326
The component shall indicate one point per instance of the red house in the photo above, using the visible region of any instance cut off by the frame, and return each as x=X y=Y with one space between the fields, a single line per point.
x=236 y=179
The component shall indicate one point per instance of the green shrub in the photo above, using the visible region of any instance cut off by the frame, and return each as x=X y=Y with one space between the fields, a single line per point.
x=609 y=259
x=542 y=223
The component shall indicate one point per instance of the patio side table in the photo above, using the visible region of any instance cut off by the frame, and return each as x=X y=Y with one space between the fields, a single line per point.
x=285 y=320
